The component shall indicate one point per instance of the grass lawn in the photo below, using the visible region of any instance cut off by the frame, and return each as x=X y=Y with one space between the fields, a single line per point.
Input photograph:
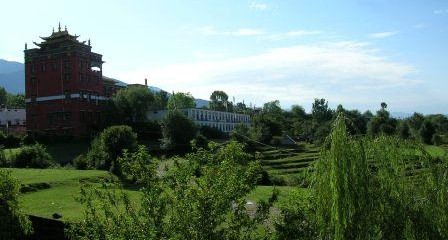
x=436 y=151
x=265 y=192
x=60 y=197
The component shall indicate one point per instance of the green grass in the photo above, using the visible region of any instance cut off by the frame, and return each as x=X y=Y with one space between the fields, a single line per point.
x=436 y=151
x=60 y=197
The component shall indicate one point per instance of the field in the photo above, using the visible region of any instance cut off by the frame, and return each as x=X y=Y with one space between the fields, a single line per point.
x=50 y=191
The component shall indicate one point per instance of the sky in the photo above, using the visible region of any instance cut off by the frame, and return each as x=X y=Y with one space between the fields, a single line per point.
x=357 y=53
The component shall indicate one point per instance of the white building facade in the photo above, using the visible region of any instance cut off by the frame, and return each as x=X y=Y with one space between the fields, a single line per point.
x=12 y=117
x=224 y=121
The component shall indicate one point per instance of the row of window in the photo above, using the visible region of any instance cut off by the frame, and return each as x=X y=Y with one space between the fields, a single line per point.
x=201 y=115
x=53 y=66
x=225 y=127
x=66 y=117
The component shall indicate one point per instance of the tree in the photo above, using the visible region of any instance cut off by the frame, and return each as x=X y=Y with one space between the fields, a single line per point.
x=382 y=123
x=133 y=103
x=177 y=131
x=15 y=101
x=427 y=131
x=14 y=224
x=160 y=100
x=181 y=100
x=219 y=101
x=320 y=111
x=3 y=96
x=203 y=197
x=109 y=145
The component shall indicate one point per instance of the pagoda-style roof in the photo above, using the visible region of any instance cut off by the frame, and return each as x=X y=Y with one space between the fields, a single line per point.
x=59 y=37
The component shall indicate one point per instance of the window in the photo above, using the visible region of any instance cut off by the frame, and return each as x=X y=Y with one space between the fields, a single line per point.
x=67 y=116
x=33 y=68
x=67 y=96
x=55 y=66
x=67 y=77
x=42 y=68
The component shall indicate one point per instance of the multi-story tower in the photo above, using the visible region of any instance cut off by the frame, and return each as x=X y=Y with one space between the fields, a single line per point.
x=63 y=86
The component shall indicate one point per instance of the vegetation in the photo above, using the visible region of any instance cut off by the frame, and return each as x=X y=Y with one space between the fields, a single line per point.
x=131 y=104
x=9 y=100
x=192 y=201
x=14 y=224
x=177 y=131
x=181 y=100
x=33 y=156
x=109 y=146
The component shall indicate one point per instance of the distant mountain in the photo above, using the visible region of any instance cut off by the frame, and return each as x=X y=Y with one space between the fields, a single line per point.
x=12 y=76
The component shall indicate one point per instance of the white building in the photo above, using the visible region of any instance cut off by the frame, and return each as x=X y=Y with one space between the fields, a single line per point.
x=12 y=117
x=224 y=121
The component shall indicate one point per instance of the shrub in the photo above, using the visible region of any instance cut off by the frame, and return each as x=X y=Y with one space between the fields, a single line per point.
x=212 y=132
x=80 y=162
x=34 y=156
x=276 y=140
x=437 y=140
x=13 y=222
x=199 y=142
x=109 y=145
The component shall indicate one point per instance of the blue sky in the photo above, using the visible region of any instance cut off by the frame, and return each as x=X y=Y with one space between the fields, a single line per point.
x=357 y=53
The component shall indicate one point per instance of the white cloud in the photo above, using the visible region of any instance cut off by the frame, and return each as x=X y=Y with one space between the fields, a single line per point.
x=291 y=34
x=258 y=6
x=383 y=34
x=339 y=71
x=237 y=32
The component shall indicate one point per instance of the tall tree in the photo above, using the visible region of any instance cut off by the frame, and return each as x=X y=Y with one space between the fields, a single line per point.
x=219 y=101
x=133 y=103
x=3 y=96
x=320 y=111
x=181 y=100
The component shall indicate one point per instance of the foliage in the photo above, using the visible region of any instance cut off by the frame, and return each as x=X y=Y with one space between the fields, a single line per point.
x=200 y=141
x=362 y=189
x=4 y=162
x=160 y=100
x=14 y=224
x=320 y=110
x=382 y=123
x=81 y=162
x=181 y=100
x=9 y=100
x=33 y=156
x=201 y=199
x=212 y=132
x=427 y=130
x=132 y=103
x=177 y=131
x=219 y=101
x=109 y=145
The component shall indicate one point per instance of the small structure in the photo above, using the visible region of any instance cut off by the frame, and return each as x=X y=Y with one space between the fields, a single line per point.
x=13 y=120
x=224 y=121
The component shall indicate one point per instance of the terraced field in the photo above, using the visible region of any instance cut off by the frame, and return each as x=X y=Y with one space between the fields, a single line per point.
x=285 y=161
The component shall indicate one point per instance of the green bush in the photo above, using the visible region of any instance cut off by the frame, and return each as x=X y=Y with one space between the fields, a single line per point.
x=437 y=140
x=276 y=140
x=109 y=145
x=3 y=161
x=80 y=162
x=199 y=142
x=177 y=131
x=14 y=224
x=34 y=156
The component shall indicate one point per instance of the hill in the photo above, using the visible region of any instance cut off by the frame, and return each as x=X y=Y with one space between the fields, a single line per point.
x=12 y=76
